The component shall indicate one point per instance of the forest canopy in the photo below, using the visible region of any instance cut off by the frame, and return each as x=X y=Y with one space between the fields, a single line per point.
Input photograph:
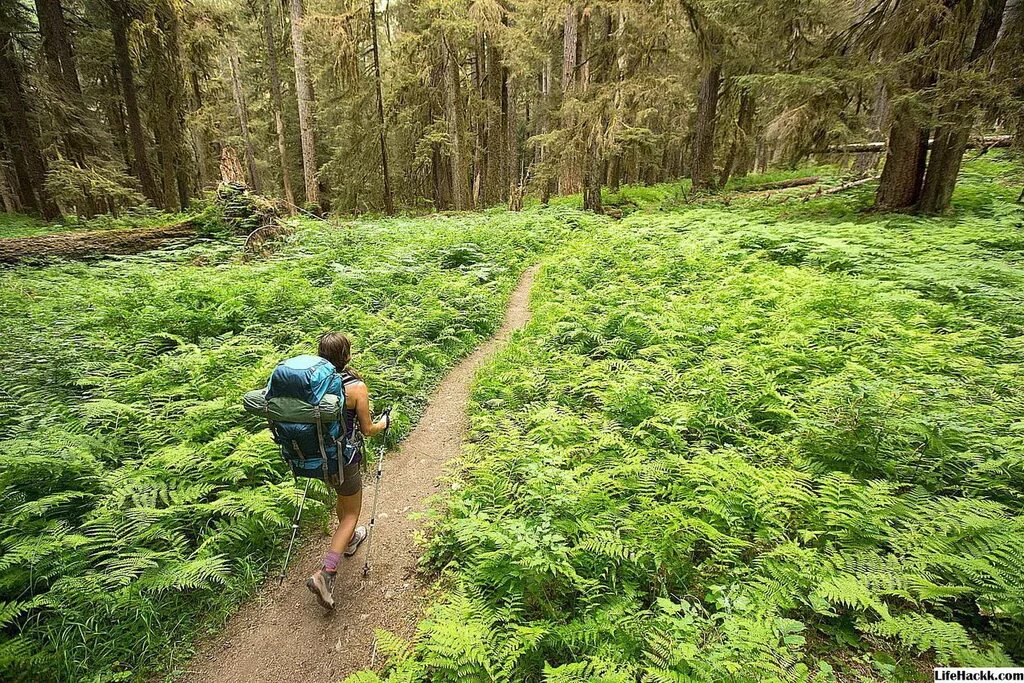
x=108 y=105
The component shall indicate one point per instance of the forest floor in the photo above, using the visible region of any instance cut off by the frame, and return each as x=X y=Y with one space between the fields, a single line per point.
x=726 y=415
x=282 y=634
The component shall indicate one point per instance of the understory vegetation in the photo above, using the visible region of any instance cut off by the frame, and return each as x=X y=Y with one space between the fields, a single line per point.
x=138 y=503
x=747 y=443
x=20 y=225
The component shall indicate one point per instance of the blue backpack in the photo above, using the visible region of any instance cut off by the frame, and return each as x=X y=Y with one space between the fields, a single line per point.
x=312 y=447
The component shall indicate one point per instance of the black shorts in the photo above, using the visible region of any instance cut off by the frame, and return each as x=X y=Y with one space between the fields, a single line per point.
x=353 y=483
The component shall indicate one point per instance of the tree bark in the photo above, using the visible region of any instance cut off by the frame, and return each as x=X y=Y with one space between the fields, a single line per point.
x=456 y=129
x=69 y=112
x=389 y=204
x=615 y=173
x=621 y=109
x=510 y=149
x=570 y=29
x=592 y=180
x=568 y=178
x=167 y=87
x=599 y=60
x=480 y=180
x=12 y=204
x=119 y=22
x=948 y=149
x=495 y=101
x=951 y=139
x=544 y=124
x=737 y=160
x=62 y=69
x=277 y=104
x=27 y=156
x=304 y=94
x=60 y=56
x=242 y=108
x=903 y=172
x=114 y=105
x=199 y=141
x=702 y=168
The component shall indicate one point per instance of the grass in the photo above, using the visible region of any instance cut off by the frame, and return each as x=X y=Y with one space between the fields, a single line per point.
x=748 y=443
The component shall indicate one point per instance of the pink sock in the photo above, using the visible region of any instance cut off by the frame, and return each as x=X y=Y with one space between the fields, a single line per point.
x=331 y=560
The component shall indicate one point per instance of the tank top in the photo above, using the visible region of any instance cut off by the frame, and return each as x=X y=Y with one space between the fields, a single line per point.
x=347 y=379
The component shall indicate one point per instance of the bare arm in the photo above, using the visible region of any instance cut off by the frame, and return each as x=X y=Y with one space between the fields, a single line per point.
x=361 y=397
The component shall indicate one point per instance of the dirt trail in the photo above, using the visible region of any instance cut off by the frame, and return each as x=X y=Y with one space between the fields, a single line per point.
x=282 y=635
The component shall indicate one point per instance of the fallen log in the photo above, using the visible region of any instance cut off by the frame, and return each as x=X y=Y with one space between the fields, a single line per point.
x=76 y=244
x=988 y=141
x=839 y=188
x=782 y=184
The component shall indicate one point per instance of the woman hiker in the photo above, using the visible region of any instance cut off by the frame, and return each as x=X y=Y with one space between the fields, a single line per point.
x=337 y=348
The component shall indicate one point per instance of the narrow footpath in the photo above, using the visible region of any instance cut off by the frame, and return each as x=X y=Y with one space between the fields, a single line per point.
x=282 y=634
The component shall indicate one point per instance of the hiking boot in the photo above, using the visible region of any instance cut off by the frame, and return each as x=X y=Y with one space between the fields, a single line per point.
x=358 y=536
x=321 y=585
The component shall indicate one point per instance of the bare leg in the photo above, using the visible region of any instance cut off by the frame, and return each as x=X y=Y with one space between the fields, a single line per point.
x=348 y=515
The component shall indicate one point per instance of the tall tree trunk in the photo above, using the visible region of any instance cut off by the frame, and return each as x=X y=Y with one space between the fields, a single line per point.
x=62 y=69
x=199 y=142
x=57 y=48
x=702 y=168
x=436 y=175
x=242 y=109
x=903 y=173
x=496 y=105
x=510 y=172
x=544 y=123
x=947 y=153
x=480 y=179
x=621 y=110
x=570 y=31
x=737 y=161
x=440 y=175
x=568 y=179
x=951 y=138
x=7 y=193
x=304 y=94
x=389 y=204
x=70 y=113
x=10 y=200
x=165 y=87
x=592 y=177
x=277 y=104
x=114 y=106
x=119 y=28
x=456 y=128
x=27 y=156
x=596 y=73
x=615 y=173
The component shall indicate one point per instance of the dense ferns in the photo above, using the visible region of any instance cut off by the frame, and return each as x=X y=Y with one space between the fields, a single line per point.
x=747 y=444
x=135 y=496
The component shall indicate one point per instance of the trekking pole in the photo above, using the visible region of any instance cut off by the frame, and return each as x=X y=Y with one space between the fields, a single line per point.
x=376 y=495
x=295 y=531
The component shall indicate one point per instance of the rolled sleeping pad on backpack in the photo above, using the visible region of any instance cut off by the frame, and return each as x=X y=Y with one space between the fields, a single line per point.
x=288 y=409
